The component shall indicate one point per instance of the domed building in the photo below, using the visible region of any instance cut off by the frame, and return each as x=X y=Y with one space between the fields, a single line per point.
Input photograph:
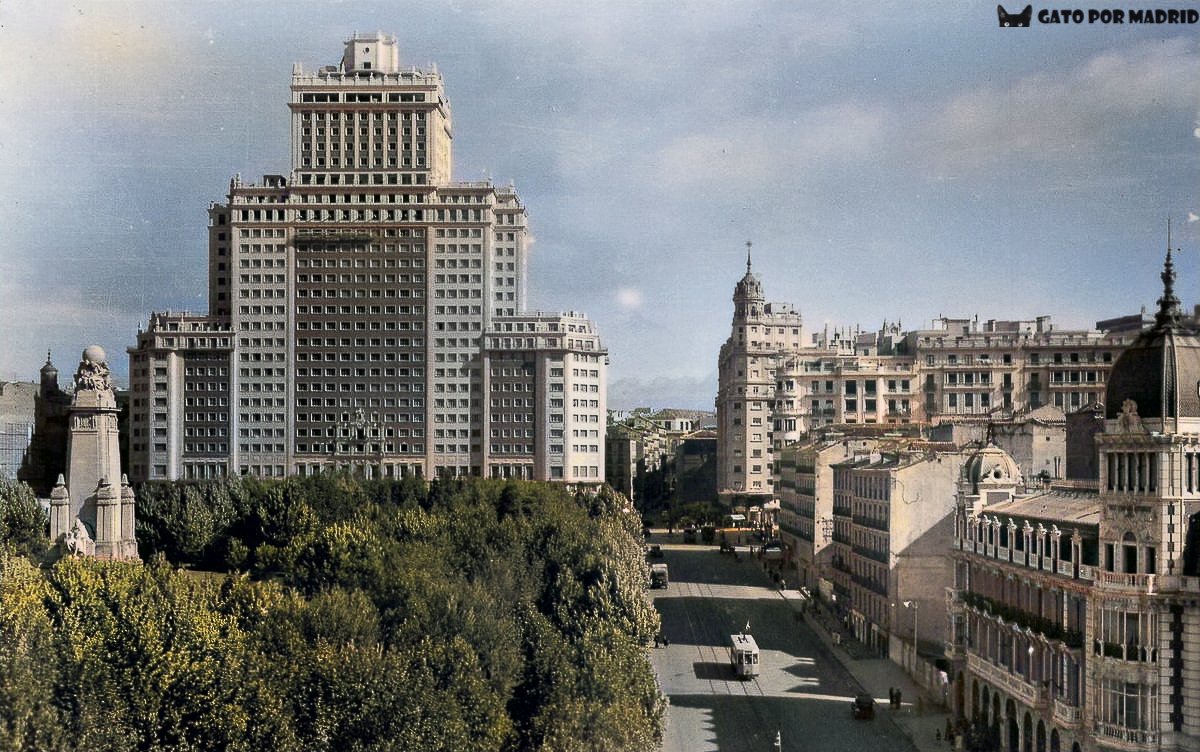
x=1075 y=618
x=1155 y=382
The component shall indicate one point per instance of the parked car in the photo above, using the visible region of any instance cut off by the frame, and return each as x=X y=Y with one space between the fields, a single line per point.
x=863 y=706
x=654 y=551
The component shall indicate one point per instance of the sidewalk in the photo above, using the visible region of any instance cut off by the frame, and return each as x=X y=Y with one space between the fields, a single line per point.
x=920 y=720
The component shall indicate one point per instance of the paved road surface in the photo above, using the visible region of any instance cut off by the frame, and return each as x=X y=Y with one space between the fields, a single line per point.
x=802 y=691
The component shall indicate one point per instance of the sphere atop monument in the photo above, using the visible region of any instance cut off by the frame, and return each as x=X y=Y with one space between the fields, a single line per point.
x=94 y=354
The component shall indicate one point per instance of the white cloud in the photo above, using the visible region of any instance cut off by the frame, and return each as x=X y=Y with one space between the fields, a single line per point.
x=1074 y=112
x=629 y=298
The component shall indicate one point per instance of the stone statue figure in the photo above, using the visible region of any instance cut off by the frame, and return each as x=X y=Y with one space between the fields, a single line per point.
x=93 y=373
x=78 y=542
x=1129 y=421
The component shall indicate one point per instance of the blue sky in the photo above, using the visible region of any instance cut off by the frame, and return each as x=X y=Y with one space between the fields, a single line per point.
x=902 y=162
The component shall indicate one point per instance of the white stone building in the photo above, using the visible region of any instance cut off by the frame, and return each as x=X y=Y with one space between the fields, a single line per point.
x=348 y=299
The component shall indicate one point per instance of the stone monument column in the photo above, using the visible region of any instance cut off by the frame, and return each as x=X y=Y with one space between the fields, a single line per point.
x=94 y=455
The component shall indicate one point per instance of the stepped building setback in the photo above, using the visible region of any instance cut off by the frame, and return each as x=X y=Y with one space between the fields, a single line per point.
x=367 y=311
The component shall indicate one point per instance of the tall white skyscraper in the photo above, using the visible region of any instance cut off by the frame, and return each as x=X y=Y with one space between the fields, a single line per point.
x=348 y=300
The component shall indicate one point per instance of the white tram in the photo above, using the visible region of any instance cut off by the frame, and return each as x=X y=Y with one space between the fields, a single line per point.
x=743 y=656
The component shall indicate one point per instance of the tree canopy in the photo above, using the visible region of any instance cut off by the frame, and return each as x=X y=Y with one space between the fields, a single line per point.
x=334 y=613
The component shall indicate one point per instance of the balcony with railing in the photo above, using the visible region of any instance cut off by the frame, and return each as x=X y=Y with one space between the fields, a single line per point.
x=1133 y=736
x=1060 y=567
x=1050 y=628
x=1143 y=583
x=872 y=522
x=1066 y=715
x=1015 y=684
x=1129 y=651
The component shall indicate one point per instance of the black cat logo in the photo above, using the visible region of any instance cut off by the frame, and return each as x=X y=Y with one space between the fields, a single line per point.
x=1021 y=19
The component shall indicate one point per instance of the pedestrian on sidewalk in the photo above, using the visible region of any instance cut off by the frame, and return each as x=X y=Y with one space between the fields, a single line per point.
x=892 y=697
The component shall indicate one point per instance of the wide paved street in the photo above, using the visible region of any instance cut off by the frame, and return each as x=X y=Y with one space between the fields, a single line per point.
x=802 y=690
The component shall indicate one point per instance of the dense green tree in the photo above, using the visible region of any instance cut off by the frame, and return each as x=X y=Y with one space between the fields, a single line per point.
x=24 y=527
x=361 y=615
x=28 y=715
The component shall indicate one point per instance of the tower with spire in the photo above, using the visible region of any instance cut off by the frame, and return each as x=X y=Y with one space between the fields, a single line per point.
x=748 y=297
x=46 y=455
x=761 y=336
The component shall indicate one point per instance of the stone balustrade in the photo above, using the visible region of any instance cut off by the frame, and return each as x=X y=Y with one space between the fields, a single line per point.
x=1141 y=737
x=1014 y=684
x=1066 y=715
x=1144 y=583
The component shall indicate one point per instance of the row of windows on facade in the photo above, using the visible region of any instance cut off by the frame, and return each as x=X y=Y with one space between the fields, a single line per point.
x=350 y=258
x=352 y=448
x=849 y=387
x=345 y=326
x=318 y=325
x=359 y=357
x=1121 y=706
x=361 y=178
x=347 y=135
x=359 y=343
x=348 y=145
x=1033 y=358
x=329 y=197
x=349 y=162
x=310 y=242
x=357 y=292
x=357 y=386
x=344 y=430
x=369 y=215
x=374 y=115
x=346 y=279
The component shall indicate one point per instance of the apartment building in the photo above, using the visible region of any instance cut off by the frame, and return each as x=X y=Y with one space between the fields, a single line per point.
x=970 y=369
x=892 y=514
x=774 y=385
x=547 y=377
x=349 y=300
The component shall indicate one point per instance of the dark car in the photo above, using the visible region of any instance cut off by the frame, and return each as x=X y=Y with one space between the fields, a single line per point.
x=654 y=551
x=863 y=706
